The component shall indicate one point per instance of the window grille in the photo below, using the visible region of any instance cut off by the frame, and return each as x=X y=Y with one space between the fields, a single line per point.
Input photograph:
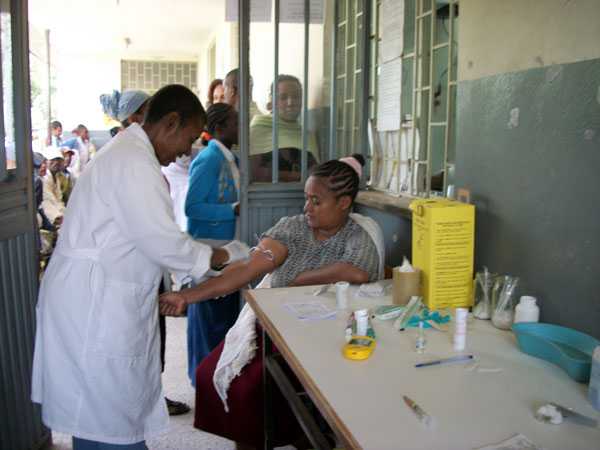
x=418 y=158
x=349 y=64
x=150 y=76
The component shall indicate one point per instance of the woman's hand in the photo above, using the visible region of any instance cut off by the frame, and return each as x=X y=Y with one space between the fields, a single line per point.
x=172 y=304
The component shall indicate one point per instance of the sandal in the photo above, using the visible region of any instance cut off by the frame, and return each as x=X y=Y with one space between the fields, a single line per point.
x=176 y=408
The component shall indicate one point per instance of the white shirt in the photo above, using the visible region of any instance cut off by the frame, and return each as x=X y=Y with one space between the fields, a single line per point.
x=96 y=368
x=85 y=151
x=177 y=174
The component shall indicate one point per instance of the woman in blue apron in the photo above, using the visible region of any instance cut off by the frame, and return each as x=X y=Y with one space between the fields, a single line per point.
x=212 y=208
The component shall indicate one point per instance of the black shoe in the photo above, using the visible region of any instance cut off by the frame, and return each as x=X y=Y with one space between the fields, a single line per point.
x=176 y=408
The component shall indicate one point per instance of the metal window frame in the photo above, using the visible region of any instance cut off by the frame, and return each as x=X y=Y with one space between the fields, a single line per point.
x=353 y=129
x=244 y=112
x=333 y=85
x=20 y=102
x=366 y=80
x=419 y=88
x=450 y=83
x=304 y=154
x=3 y=159
x=413 y=170
x=275 y=94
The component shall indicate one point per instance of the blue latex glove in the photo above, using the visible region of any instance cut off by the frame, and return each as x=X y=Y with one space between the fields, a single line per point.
x=426 y=316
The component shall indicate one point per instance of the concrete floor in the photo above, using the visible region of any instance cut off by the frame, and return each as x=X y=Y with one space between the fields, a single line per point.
x=182 y=435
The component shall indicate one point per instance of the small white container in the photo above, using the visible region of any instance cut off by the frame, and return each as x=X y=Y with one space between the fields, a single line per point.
x=459 y=339
x=461 y=315
x=460 y=320
x=341 y=294
x=527 y=310
x=459 y=342
x=421 y=339
x=362 y=321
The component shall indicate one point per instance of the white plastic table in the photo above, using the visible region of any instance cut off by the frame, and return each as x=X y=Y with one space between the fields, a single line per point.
x=362 y=400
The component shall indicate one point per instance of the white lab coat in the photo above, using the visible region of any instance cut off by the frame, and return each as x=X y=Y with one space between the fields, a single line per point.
x=96 y=368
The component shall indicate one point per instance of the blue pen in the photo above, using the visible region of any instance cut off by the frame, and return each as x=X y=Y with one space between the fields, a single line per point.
x=459 y=358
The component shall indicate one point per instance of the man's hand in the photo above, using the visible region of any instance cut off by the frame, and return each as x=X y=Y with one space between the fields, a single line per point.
x=172 y=304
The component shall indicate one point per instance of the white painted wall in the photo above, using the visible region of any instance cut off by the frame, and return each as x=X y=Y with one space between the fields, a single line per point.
x=225 y=39
x=512 y=35
x=89 y=41
x=79 y=84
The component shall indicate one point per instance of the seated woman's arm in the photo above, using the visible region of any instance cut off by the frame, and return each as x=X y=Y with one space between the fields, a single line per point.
x=270 y=255
x=332 y=273
x=358 y=264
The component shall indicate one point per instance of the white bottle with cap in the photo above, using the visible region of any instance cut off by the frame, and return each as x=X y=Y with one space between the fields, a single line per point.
x=362 y=321
x=527 y=310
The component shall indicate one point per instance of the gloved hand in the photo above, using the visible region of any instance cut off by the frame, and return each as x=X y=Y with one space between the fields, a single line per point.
x=237 y=251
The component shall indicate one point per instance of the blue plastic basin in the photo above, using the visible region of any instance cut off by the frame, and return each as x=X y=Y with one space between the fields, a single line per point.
x=565 y=347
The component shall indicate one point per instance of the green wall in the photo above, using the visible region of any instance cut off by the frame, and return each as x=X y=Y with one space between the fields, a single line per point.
x=535 y=183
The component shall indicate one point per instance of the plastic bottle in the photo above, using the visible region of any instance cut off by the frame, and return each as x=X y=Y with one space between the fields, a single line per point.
x=362 y=321
x=527 y=310
x=459 y=339
x=421 y=339
x=594 y=389
x=341 y=294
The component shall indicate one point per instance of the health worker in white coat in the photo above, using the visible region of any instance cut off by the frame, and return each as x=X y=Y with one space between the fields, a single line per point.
x=96 y=368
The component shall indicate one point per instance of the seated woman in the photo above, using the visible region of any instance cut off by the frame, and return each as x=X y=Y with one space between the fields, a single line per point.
x=289 y=107
x=324 y=245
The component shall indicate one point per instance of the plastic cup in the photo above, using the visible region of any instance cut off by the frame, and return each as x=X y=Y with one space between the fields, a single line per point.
x=341 y=294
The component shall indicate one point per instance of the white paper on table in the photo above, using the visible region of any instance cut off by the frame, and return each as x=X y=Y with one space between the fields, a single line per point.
x=292 y=11
x=375 y=289
x=260 y=11
x=310 y=311
x=389 y=85
x=392 y=30
x=517 y=442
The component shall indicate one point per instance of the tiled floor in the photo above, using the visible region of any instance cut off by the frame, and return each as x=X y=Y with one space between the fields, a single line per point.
x=182 y=435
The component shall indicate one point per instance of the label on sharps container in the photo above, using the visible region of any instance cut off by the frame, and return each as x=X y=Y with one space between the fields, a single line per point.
x=443 y=248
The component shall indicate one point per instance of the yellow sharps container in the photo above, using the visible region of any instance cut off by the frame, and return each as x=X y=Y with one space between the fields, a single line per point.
x=443 y=241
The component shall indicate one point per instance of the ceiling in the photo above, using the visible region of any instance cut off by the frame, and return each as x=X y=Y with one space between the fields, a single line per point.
x=129 y=28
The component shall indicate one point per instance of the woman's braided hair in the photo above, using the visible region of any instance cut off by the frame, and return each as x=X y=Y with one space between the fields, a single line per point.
x=217 y=115
x=341 y=178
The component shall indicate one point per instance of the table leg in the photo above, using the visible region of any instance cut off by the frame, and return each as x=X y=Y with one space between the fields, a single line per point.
x=273 y=365
x=267 y=349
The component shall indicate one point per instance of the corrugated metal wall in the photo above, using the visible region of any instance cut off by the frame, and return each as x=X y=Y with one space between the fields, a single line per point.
x=21 y=426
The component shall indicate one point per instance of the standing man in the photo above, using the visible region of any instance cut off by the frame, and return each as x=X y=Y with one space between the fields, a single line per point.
x=83 y=149
x=55 y=134
x=53 y=203
x=231 y=92
x=96 y=368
